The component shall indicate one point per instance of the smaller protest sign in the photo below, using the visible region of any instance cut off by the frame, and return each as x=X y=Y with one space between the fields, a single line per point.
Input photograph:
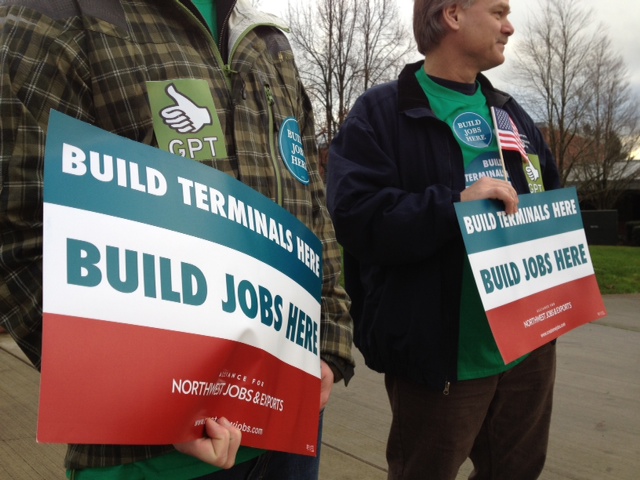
x=533 y=269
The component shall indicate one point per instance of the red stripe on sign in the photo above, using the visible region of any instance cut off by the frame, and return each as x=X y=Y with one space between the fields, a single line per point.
x=112 y=383
x=522 y=326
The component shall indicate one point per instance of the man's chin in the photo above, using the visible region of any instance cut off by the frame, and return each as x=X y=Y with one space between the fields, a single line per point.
x=496 y=63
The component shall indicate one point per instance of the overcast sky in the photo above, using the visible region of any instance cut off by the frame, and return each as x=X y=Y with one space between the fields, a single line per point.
x=619 y=19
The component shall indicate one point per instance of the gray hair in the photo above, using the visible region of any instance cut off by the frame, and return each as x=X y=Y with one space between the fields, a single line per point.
x=428 y=28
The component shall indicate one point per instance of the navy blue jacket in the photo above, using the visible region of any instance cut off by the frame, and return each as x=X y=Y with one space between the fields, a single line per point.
x=394 y=173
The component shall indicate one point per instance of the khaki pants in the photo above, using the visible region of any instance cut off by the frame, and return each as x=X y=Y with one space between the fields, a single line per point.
x=500 y=422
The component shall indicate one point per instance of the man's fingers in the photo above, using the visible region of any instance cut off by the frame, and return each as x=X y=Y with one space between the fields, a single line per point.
x=491 y=188
x=225 y=440
x=326 y=385
x=218 y=448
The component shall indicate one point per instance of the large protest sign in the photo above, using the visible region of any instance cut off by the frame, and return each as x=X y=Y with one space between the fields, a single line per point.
x=533 y=269
x=172 y=293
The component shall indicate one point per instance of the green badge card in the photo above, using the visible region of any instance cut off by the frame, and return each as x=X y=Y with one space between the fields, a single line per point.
x=185 y=119
x=533 y=173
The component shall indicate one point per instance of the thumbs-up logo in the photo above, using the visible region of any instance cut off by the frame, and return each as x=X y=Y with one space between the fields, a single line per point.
x=185 y=116
x=532 y=173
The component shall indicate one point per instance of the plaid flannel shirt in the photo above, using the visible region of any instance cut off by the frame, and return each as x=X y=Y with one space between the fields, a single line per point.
x=94 y=67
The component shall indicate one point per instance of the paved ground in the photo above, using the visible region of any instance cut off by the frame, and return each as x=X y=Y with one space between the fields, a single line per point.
x=595 y=427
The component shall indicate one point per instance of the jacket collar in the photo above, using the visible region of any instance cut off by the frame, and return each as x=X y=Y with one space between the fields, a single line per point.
x=244 y=17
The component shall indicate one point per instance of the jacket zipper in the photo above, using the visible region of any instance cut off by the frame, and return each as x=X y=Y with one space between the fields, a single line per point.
x=447 y=385
x=225 y=28
x=272 y=144
x=215 y=48
x=268 y=93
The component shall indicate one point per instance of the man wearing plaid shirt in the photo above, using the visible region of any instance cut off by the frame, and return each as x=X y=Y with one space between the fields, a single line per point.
x=93 y=60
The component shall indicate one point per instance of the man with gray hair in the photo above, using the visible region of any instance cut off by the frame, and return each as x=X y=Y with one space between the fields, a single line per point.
x=102 y=61
x=408 y=151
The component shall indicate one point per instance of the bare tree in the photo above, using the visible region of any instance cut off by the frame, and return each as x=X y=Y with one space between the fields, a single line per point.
x=386 y=42
x=553 y=69
x=344 y=47
x=611 y=125
x=575 y=83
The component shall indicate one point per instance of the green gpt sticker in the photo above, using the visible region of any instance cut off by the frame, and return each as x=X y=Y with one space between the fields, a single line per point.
x=291 y=150
x=185 y=120
x=533 y=172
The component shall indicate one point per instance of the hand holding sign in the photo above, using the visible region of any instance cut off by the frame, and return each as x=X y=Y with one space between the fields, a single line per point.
x=492 y=189
x=219 y=447
x=185 y=116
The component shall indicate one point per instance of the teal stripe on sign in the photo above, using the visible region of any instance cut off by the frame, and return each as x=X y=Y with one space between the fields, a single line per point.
x=485 y=226
x=137 y=182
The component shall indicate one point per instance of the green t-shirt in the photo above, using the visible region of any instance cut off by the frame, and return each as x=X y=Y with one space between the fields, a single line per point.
x=172 y=466
x=469 y=117
x=208 y=10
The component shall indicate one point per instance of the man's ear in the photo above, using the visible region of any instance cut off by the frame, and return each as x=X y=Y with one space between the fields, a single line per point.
x=450 y=16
